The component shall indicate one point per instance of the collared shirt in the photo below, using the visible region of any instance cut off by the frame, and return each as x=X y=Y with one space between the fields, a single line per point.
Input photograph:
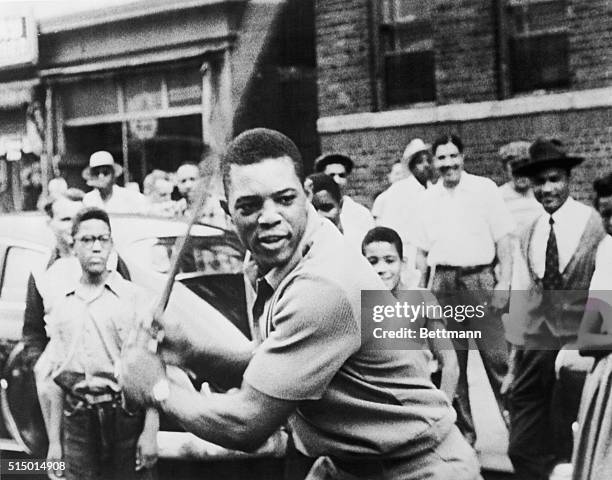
x=356 y=221
x=121 y=201
x=88 y=328
x=460 y=226
x=602 y=276
x=570 y=221
x=398 y=210
x=353 y=401
x=523 y=207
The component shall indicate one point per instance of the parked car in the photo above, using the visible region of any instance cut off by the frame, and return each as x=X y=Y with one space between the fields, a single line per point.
x=209 y=286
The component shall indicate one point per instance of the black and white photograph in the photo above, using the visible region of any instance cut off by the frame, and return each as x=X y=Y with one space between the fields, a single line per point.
x=306 y=239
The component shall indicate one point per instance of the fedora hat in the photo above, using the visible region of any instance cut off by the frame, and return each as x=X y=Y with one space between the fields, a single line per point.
x=101 y=158
x=546 y=154
x=330 y=158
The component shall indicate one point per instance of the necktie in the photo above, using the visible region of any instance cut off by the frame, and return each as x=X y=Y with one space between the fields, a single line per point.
x=264 y=292
x=552 y=279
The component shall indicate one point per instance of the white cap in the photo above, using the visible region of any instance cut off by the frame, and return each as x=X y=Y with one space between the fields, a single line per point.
x=101 y=159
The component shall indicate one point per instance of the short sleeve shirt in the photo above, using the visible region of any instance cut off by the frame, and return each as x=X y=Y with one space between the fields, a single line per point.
x=459 y=227
x=353 y=401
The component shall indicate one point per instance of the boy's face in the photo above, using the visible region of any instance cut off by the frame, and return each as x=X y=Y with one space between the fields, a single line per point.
x=384 y=258
x=92 y=245
x=327 y=206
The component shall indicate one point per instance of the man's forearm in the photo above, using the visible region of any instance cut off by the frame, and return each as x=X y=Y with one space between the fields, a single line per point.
x=421 y=265
x=224 y=419
x=503 y=249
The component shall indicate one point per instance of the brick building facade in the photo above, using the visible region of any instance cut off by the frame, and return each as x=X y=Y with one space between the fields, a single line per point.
x=492 y=71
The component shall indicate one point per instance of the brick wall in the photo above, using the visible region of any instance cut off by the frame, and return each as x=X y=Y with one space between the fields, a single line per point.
x=343 y=56
x=590 y=23
x=464 y=42
x=587 y=133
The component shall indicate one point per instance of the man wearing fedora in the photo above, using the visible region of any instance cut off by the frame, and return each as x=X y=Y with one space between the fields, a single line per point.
x=355 y=218
x=400 y=199
x=550 y=287
x=101 y=174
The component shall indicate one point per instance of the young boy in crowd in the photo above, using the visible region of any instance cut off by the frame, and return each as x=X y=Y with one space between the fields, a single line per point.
x=88 y=324
x=383 y=248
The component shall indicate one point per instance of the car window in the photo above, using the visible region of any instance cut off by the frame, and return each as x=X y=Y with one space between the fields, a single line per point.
x=207 y=254
x=18 y=264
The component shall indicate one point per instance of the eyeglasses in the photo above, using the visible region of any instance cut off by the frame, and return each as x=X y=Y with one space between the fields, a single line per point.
x=89 y=240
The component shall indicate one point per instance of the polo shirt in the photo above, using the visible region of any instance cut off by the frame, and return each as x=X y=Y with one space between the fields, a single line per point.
x=459 y=227
x=354 y=401
x=121 y=201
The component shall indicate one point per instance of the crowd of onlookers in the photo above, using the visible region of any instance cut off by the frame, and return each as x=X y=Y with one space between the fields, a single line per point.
x=519 y=247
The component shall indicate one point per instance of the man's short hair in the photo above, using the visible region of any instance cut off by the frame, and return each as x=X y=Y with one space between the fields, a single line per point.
x=258 y=144
x=89 y=213
x=72 y=194
x=323 y=182
x=383 y=234
x=447 y=138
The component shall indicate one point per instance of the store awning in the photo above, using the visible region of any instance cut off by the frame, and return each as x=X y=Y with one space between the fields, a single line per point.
x=16 y=94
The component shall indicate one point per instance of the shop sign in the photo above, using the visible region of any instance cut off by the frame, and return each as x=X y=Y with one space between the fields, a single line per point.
x=18 y=40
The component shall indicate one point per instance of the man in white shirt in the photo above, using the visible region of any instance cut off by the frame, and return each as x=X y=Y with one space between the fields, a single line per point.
x=355 y=218
x=398 y=172
x=462 y=226
x=400 y=199
x=549 y=291
x=101 y=175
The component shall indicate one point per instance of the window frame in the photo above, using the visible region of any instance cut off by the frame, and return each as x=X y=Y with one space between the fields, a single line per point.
x=386 y=26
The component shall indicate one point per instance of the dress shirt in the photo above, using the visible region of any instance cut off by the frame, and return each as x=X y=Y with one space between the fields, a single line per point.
x=602 y=276
x=87 y=330
x=460 y=226
x=570 y=221
x=523 y=207
x=356 y=221
x=122 y=200
x=398 y=210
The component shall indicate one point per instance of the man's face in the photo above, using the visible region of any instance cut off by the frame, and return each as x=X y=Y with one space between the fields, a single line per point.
x=551 y=188
x=162 y=191
x=269 y=209
x=327 y=206
x=338 y=172
x=92 y=246
x=520 y=183
x=604 y=208
x=420 y=167
x=63 y=211
x=186 y=181
x=449 y=164
x=102 y=177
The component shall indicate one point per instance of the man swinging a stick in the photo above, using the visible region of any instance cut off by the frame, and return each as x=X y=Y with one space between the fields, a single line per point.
x=362 y=413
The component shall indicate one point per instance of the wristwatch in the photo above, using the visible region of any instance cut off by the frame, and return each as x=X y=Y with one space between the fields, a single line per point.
x=161 y=391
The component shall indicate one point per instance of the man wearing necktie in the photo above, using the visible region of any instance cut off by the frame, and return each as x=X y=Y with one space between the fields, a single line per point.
x=550 y=286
